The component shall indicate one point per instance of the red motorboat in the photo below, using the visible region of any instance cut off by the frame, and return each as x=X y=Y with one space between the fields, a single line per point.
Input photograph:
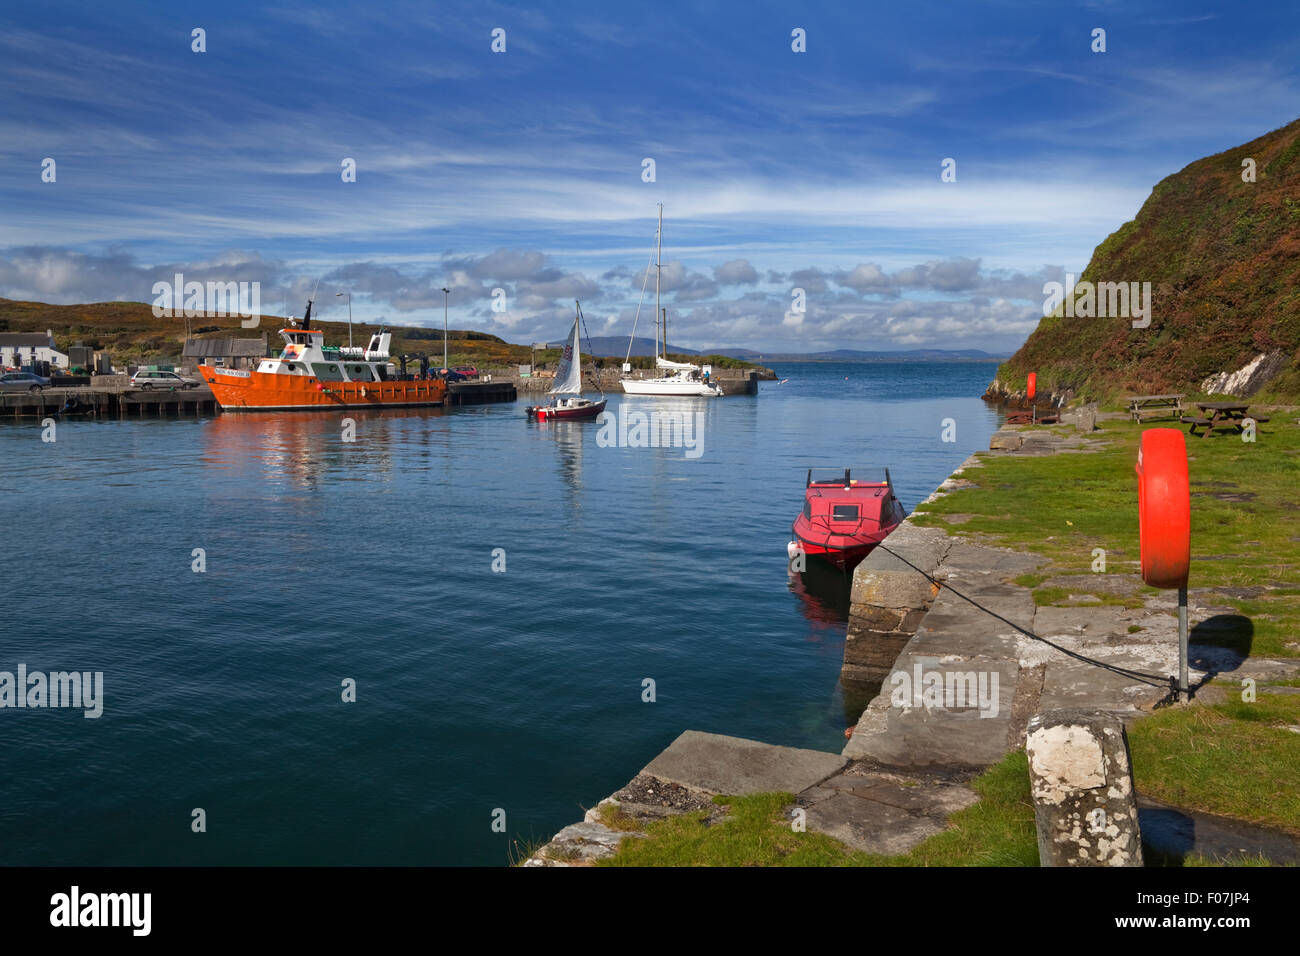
x=843 y=518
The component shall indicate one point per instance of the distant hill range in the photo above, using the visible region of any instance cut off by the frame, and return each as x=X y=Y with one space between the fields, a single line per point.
x=616 y=346
x=1219 y=243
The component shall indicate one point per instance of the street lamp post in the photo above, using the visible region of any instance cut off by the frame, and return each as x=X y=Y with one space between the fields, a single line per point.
x=446 y=296
x=349 y=295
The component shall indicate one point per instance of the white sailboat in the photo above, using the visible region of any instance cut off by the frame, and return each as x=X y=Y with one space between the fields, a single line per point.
x=567 y=389
x=675 y=378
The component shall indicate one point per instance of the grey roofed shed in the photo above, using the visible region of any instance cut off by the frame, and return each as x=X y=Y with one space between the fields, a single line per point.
x=225 y=348
x=25 y=340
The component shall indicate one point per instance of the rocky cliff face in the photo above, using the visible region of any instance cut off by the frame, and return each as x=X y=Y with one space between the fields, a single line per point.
x=1219 y=245
x=1250 y=378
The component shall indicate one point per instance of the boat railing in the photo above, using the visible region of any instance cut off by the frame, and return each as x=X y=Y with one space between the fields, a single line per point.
x=844 y=479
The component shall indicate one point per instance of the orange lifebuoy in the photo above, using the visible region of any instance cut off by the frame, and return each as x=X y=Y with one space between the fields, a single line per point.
x=1164 y=508
x=1033 y=384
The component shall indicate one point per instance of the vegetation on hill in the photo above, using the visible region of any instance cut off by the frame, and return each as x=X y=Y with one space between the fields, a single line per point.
x=1223 y=259
x=131 y=334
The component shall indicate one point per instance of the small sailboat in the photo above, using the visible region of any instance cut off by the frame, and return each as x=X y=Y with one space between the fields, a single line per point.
x=677 y=378
x=567 y=389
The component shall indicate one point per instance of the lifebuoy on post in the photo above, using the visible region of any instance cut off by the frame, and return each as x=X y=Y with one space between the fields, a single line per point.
x=1164 y=508
x=1033 y=385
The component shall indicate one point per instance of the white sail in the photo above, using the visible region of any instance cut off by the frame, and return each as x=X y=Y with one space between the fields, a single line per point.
x=676 y=366
x=568 y=377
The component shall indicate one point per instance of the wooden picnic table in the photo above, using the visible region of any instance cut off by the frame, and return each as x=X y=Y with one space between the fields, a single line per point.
x=1156 y=405
x=1221 y=415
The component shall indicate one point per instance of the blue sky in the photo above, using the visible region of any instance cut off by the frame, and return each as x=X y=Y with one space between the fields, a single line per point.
x=522 y=170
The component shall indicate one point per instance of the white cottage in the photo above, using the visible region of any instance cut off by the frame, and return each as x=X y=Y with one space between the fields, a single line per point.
x=23 y=348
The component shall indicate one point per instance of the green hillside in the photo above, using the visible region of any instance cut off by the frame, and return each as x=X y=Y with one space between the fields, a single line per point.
x=131 y=334
x=1223 y=259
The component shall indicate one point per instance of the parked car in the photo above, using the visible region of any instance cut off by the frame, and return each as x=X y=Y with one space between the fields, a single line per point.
x=469 y=371
x=150 y=379
x=451 y=375
x=22 y=382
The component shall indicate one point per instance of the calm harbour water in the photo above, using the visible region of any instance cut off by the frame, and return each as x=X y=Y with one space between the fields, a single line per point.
x=372 y=560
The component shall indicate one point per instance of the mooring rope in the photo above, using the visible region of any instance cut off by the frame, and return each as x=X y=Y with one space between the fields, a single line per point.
x=1154 y=680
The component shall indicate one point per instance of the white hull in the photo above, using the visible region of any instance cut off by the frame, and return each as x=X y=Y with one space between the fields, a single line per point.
x=668 y=386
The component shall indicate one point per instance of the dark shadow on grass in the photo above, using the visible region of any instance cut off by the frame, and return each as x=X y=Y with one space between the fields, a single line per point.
x=1220 y=644
x=1170 y=835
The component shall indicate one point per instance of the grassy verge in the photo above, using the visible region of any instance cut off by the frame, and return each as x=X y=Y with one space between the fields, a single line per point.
x=997 y=831
x=1245 y=527
x=1235 y=758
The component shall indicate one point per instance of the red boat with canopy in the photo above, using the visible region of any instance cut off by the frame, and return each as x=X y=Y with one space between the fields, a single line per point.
x=843 y=518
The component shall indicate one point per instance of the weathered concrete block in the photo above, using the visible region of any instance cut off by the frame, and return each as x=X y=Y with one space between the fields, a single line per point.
x=890 y=589
x=857 y=677
x=716 y=763
x=912 y=620
x=871 y=618
x=1005 y=441
x=1087 y=419
x=874 y=649
x=1082 y=782
x=908 y=725
x=910 y=545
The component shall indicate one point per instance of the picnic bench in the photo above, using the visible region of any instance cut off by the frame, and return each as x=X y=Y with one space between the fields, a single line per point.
x=1221 y=415
x=1154 y=406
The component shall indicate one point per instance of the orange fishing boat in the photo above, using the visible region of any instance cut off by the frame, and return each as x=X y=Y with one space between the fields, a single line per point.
x=310 y=375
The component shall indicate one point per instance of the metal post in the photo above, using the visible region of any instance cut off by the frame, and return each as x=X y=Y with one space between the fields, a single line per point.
x=1182 y=644
x=445 y=296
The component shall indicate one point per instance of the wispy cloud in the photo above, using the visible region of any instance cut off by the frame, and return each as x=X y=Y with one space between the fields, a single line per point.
x=523 y=170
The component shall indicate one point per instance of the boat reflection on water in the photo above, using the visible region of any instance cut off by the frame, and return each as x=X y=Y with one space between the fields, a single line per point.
x=301 y=447
x=823 y=591
x=568 y=437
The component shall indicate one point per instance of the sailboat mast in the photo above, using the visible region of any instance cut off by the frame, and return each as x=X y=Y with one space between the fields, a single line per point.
x=577 y=355
x=659 y=268
x=665 y=333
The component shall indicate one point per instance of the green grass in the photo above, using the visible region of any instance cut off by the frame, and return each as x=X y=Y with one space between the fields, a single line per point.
x=1236 y=759
x=997 y=831
x=612 y=816
x=1064 y=506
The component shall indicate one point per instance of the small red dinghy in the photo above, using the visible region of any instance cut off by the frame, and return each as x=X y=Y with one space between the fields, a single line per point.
x=843 y=519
